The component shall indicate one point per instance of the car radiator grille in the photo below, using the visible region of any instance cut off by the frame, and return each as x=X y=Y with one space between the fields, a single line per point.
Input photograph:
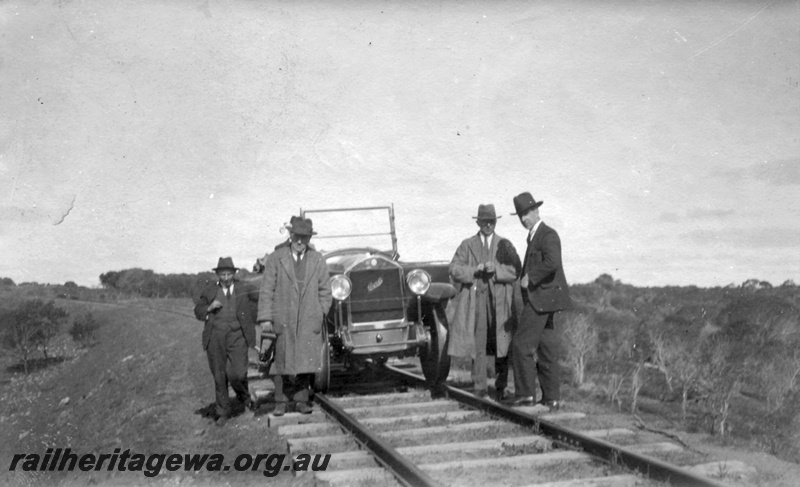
x=377 y=295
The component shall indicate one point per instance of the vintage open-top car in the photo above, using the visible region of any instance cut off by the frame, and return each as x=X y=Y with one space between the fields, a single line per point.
x=382 y=307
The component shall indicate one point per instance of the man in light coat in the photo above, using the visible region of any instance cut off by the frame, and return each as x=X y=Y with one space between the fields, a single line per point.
x=294 y=300
x=482 y=321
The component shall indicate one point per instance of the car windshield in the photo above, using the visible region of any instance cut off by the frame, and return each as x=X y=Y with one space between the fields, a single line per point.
x=352 y=228
x=345 y=259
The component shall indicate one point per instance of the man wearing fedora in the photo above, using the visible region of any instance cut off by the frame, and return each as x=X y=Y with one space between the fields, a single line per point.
x=228 y=309
x=294 y=300
x=481 y=322
x=544 y=294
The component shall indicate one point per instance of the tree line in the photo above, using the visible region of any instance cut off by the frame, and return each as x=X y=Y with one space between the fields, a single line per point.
x=149 y=284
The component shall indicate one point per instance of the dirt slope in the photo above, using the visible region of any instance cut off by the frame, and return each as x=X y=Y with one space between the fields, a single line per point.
x=137 y=389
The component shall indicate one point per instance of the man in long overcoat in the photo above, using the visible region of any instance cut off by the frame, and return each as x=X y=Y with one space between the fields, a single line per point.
x=544 y=294
x=228 y=308
x=482 y=321
x=294 y=300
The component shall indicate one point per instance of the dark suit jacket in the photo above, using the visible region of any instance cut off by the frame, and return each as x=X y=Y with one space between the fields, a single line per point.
x=246 y=295
x=547 y=285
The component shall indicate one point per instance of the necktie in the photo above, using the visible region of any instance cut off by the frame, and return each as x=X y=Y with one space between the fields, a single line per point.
x=228 y=293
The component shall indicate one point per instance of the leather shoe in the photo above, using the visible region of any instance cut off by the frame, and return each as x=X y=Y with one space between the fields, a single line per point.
x=438 y=391
x=520 y=401
x=502 y=396
x=280 y=409
x=551 y=405
x=304 y=408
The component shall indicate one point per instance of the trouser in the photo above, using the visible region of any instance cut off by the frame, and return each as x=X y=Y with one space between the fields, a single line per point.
x=535 y=347
x=298 y=386
x=485 y=339
x=227 y=359
x=501 y=371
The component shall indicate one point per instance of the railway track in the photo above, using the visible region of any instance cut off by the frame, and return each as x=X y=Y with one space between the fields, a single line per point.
x=391 y=433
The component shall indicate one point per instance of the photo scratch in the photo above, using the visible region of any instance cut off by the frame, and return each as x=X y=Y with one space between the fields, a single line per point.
x=737 y=29
x=64 y=216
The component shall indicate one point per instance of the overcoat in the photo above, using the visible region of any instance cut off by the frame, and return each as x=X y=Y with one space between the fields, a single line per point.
x=547 y=286
x=461 y=310
x=297 y=312
x=246 y=307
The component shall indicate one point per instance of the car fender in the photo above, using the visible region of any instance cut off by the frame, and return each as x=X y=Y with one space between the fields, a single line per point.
x=440 y=291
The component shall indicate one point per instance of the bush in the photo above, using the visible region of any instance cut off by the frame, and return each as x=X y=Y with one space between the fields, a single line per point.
x=84 y=330
x=33 y=324
x=581 y=343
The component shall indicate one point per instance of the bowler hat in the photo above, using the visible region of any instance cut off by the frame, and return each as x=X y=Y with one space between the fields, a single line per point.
x=486 y=212
x=225 y=263
x=524 y=202
x=303 y=226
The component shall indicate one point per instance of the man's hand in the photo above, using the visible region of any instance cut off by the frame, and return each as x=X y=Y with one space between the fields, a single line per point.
x=489 y=268
x=524 y=281
x=266 y=326
x=215 y=305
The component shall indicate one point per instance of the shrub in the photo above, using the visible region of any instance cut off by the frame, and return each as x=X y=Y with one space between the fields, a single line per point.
x=720 y=380
x=581 y=339
x=84 y=330
x=32 y=324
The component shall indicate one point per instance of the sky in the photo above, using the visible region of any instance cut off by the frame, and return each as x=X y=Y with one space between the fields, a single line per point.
x=662 y=136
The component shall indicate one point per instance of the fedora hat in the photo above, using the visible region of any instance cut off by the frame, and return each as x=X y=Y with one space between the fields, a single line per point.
x=303 y=226
x=225 y=263
x=524 y=202
x=486 y=212
x=292 y=221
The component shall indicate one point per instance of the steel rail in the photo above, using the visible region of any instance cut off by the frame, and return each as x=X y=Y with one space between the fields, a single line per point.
x=613 y=454
x=406 y=472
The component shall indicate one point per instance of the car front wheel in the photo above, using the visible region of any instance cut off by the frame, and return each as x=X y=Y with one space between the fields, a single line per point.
x=433 y=357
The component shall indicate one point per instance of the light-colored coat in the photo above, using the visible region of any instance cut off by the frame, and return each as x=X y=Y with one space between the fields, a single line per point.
x=461 y=310
x=296 y=312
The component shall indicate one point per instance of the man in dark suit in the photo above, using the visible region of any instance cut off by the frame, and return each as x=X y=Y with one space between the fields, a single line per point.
x=544 y=294
x=228 y=309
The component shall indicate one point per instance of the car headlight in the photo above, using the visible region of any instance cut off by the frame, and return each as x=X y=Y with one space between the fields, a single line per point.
x=419 y=281
x=341 y=287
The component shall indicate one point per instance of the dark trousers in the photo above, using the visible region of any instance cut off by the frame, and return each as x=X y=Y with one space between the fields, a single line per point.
x=501 y=371
x=535 y=338
x=298 y=386
x=227 y=358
